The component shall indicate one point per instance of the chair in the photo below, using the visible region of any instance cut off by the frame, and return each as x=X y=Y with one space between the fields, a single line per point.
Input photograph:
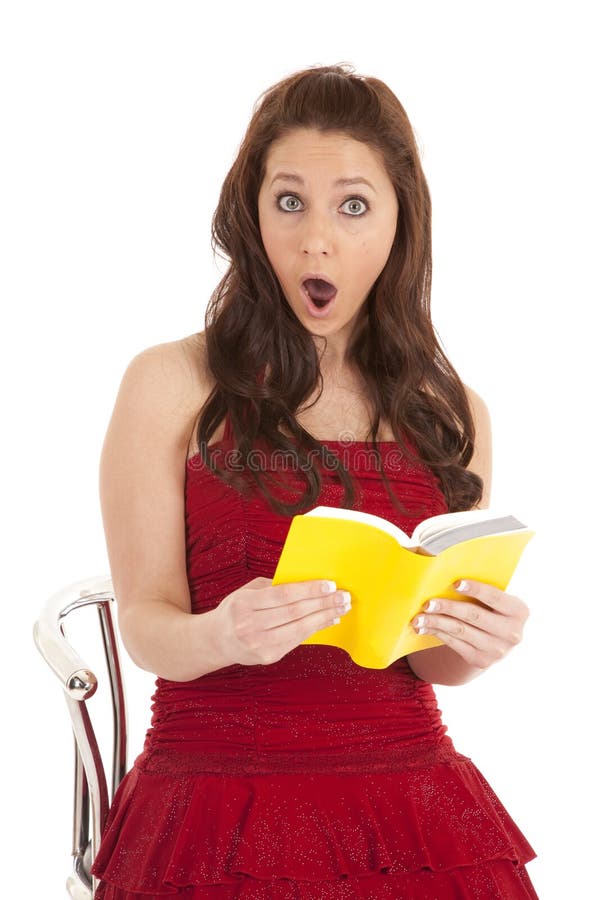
x=91 y=798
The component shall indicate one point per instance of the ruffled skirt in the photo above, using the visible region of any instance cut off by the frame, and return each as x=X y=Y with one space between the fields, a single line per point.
x=308 y=779
x=494 y=881
x=421 y=832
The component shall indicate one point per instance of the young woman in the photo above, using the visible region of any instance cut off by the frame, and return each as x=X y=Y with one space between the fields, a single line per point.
x=273 y=768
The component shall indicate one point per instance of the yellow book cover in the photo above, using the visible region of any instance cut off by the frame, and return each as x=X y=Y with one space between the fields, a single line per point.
x=391 y=576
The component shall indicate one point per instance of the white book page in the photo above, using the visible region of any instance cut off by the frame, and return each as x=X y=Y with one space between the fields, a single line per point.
x=448 y=521
x=355 y=515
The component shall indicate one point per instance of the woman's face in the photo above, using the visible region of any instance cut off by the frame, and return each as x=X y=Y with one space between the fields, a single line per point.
x=327 y=208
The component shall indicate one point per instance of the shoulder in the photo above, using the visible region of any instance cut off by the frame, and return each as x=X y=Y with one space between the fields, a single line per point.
x=175 y=371
x=167 y=384
x=480 y=413
x=179 y=365
x=481 y=461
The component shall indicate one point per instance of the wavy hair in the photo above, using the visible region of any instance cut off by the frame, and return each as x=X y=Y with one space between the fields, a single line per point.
x=265 y=364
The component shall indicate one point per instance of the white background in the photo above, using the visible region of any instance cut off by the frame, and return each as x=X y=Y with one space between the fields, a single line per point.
x=119 y=123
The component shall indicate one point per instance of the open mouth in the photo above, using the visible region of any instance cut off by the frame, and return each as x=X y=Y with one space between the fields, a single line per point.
x=321 y=292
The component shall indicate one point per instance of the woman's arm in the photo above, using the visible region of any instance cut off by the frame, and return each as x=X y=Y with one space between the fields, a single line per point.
x=142 y=493
x=475 y=635
x=142 y=471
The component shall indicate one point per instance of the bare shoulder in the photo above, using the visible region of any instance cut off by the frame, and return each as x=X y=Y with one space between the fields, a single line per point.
x=193 y=349
x=479 y=410
x=179 y=366
x=481 y=461
x=168 y=383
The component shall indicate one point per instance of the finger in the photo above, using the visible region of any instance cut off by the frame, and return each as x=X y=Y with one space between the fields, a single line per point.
x=269 y=595
x=294 y=631
x=480 y=648
x=491 y=596
x=285 y=637
x=456 y=616
x=473 y=613
x=331 y=605
x=458 y=628
x=475 y=654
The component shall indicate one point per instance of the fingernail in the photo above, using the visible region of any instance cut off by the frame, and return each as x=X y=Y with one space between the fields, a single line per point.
x=419 y=622
x=432 y=605
x=462 y=586
x=327 y=587
x=345 y=601
x=336 y=622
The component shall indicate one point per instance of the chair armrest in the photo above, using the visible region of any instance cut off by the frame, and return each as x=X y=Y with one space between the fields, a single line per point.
x=91 y=798
x=76 y=677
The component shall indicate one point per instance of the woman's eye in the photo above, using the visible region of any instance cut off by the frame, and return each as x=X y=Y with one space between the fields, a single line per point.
x=354 y=205
x=288 y=202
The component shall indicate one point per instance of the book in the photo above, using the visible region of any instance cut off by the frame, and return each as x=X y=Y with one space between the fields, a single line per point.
x=391 y=576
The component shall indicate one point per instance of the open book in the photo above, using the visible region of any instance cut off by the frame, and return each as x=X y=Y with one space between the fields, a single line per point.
x=391 y=576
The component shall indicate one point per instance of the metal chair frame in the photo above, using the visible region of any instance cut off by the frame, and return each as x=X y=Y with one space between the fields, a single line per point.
x=91 y=796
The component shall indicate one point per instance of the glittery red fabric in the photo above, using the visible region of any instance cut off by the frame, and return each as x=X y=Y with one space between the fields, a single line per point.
x=311 y=778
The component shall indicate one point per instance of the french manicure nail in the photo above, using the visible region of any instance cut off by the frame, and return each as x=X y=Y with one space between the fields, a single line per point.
x=432 y=606
x=328 y=587
x=462 y=586
x=343 y=601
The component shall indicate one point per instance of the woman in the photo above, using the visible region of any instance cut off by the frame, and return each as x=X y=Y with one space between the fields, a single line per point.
x=276 y=769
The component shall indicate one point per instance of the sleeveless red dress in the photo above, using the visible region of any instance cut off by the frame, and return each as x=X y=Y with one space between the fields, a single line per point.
x=311 y=778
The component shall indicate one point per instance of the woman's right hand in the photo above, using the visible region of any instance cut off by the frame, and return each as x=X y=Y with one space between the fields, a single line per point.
x=260 y=622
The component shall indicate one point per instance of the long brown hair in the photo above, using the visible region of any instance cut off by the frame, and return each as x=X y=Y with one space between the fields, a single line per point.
x=265 y=363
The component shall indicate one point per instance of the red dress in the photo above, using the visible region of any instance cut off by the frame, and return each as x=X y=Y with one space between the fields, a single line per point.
x=311 y=778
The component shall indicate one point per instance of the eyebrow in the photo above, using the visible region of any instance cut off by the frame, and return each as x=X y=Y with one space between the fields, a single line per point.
x=339 y=182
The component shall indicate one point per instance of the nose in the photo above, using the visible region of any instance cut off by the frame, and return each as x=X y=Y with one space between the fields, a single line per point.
x=317 y=235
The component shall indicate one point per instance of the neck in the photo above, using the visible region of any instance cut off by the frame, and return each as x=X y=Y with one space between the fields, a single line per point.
x=332 y=359
x=333 y=349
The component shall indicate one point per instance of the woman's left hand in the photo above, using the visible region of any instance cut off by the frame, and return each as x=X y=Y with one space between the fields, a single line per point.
x=481 y=632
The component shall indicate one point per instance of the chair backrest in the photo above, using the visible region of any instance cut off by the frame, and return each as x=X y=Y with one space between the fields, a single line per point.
x=91 y=795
